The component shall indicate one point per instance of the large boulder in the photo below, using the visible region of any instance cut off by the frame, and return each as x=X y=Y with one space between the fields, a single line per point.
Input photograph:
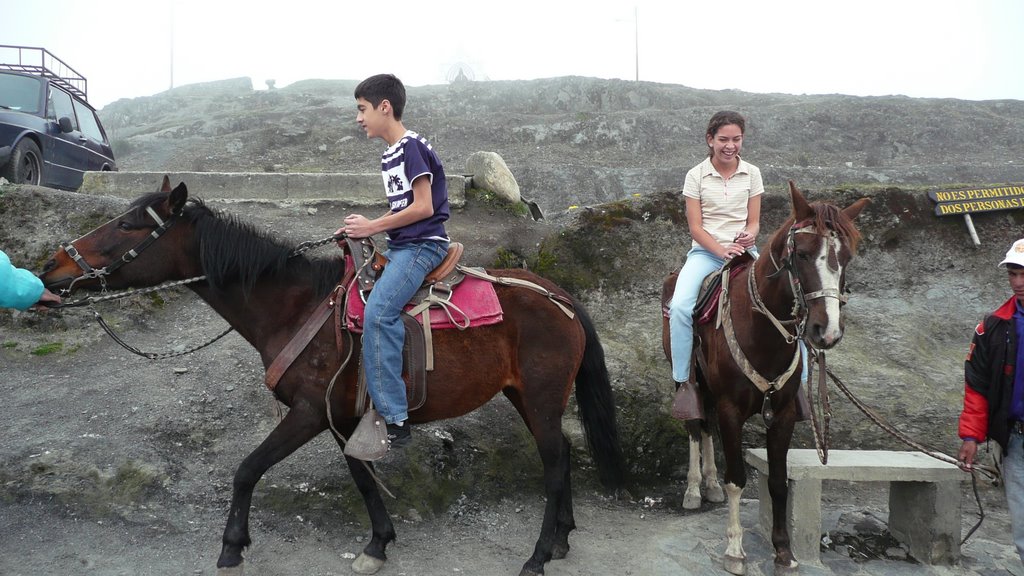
x=490 y=173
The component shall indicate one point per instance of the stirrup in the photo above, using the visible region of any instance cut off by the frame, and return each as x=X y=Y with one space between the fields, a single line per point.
x=687 y=404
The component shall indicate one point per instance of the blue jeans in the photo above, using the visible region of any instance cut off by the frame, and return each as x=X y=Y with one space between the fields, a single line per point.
x=1013 y=478
x=383 y=331
x=699 y=263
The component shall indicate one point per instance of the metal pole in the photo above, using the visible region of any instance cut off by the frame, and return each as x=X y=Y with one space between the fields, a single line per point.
x=971 y=230
x=172 y=43
x=636 y=43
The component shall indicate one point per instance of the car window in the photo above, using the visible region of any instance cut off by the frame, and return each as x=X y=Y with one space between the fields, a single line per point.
x=20 y=93
x=60 y=106
x=87 y=120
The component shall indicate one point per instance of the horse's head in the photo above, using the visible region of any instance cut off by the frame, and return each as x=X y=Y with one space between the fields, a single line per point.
x=100 y=258
x=816 y=244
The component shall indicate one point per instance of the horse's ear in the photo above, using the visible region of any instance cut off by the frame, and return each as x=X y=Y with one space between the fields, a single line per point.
x=853 y=210
x=165 y=187
x=177 y=198
x=801 y=209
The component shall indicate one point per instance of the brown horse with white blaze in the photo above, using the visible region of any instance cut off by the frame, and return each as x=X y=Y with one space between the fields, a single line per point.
x=750 y=364
x=266 y=292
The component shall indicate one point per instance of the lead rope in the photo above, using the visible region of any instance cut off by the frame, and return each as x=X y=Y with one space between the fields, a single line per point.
x=991 y=472
x=820 y=429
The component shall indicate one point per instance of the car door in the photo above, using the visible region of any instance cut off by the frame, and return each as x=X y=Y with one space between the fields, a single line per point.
x=64 y=153
x=99 y=155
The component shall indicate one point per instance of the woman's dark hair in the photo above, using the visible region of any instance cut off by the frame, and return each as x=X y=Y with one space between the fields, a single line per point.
x=724 y=118
x=376 y=89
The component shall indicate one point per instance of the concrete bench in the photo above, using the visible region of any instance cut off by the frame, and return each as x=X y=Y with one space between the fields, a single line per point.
x=924 y=498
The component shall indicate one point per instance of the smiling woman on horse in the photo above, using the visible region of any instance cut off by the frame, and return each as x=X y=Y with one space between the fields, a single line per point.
x=723 y=212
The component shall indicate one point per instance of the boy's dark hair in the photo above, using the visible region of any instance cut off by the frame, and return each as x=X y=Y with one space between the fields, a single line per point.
x=376 y=89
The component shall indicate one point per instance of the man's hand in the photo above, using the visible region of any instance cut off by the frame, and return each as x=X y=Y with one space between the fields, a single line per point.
x=965 y=457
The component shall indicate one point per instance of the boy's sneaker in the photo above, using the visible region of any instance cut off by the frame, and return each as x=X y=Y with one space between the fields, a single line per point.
x=399 y=434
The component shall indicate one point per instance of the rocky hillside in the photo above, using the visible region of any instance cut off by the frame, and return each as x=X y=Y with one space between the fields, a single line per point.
x=578 y=141
x=618 y=150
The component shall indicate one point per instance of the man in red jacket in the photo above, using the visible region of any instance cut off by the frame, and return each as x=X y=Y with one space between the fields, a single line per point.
x=994 y=391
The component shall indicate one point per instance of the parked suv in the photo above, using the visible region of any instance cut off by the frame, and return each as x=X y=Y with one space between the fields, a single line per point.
x=49 y=134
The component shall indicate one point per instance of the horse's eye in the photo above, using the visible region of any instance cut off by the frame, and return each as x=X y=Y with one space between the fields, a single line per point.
x=125 y=226
x=803 y=256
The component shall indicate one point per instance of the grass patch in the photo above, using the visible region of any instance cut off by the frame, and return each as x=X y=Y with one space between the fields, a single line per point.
x=49 y=348
x=9 y=345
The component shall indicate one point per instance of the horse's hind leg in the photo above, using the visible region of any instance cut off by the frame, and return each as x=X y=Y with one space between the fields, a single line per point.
x=382 y=530
x=713 y=489
x=566 y=520
x=691 y=499
x=297 y=428
x=545 y=423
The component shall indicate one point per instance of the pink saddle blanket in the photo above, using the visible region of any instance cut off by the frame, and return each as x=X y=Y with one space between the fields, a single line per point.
x=476 y=299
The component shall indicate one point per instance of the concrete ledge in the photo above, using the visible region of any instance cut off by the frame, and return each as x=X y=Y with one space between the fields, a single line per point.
x=350 y=189
x=924 y=498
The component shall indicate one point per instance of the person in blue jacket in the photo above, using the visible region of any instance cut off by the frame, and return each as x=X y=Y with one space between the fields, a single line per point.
x=20 y=289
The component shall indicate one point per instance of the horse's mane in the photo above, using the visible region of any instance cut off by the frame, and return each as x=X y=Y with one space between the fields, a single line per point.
x=826 y=217
x=234 y=250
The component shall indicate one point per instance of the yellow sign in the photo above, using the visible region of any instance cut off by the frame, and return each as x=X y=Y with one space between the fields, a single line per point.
x=979 y=200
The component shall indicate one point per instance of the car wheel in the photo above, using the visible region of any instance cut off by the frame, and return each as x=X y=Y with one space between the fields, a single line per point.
x=26 y=164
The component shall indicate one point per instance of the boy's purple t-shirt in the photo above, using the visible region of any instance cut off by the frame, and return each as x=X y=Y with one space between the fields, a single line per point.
x=409 y=158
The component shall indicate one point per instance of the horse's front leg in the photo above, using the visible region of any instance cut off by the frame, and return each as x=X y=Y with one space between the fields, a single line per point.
x=382 y=530
x=779 y=436
x=731 y=430
x=297 y=428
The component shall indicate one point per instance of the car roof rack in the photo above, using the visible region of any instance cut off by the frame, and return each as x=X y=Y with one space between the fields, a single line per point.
x=42 y=62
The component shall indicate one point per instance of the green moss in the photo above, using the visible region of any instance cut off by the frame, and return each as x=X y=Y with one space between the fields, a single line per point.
x=489 y=198
x=10 y=344
x=46 y=349
x=156 y=300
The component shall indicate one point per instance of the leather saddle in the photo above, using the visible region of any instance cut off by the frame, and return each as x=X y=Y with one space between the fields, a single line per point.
x=416 y=357
x=706 y=308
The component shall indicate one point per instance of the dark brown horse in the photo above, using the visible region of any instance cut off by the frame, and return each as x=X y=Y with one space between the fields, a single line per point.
x=266 y=293
x=793 y=292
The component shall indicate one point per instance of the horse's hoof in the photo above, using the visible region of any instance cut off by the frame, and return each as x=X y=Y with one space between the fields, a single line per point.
x=734 y=565
x=230 y=571
x=559 y=551
x=785 y=569
x=525 y=572
x=691 y=501
x=715 y=494
x=366 y=564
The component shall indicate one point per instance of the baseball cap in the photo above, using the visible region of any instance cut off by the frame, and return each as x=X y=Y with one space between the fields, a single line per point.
x=1015 y=255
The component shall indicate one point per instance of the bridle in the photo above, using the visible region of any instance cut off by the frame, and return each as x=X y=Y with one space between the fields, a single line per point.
x=801 y=299
x=798 y=319
x=130 y=255
x=133 y=253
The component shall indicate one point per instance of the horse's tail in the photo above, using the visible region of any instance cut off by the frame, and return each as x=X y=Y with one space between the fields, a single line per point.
x=597 y=407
